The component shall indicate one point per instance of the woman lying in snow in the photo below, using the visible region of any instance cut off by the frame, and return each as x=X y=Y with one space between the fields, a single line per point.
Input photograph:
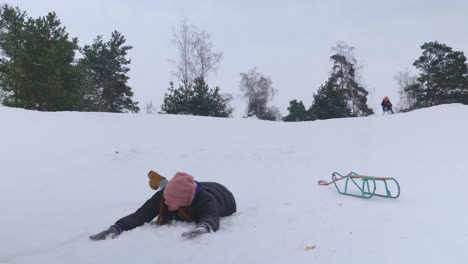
x=181 y=198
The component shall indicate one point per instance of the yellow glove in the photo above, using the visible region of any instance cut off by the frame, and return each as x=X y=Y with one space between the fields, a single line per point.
x=156 y=180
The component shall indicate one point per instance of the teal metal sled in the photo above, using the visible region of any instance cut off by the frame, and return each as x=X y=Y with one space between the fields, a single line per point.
x=366 y=187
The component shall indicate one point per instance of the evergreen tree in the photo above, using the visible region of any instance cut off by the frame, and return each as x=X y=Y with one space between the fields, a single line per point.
x=37 y=69
x=209 y=102
x=297 y=112
x=107 y=70
x=12 y=38
x=442 y=77
x=329 y=102
x=343 y=77
x=177 y=101
x=196 y=99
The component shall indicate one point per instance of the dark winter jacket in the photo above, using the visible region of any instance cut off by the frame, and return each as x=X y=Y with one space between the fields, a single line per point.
x=211 y=201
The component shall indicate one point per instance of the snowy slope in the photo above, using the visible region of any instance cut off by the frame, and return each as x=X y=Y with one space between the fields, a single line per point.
x=65 y=176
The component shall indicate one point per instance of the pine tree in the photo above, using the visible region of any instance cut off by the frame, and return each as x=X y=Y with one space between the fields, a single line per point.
x=12 y=38
x=177 y=101
x=37 y=69
x=329 y=102
x=297 y=112
x=442 y=77
x=107 y=70
x=196 y=99
x=343 y=77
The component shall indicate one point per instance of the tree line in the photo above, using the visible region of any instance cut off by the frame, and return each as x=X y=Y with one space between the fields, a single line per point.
x=196 y=60
x=340 y=96
x=39 y=70
x=442 y=79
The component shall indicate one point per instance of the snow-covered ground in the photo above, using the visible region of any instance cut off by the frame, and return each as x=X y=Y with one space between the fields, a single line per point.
x=67 y=175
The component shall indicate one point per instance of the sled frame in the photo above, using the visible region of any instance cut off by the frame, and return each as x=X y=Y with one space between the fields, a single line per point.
x=367 y=186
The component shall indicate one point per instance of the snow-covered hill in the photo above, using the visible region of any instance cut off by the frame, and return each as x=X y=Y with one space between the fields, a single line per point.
x=65 y=176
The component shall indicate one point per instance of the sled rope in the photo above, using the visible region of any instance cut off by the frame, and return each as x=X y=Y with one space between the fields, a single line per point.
x=323 y=182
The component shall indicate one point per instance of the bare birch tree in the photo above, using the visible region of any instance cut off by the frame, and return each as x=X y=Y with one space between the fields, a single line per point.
x=405 y=81
x=196 y=55
x=258 y=92
x=184 y=40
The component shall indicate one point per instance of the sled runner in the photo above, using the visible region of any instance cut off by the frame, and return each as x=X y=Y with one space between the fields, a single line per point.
x=367 y=187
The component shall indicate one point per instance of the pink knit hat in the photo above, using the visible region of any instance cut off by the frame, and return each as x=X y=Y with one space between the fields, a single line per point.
x=180 y=191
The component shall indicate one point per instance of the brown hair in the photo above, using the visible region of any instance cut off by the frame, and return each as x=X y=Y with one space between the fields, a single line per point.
x=184 y=213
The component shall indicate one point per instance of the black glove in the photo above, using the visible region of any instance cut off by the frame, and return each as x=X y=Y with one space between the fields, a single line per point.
x=201 y=228
x=113 y=231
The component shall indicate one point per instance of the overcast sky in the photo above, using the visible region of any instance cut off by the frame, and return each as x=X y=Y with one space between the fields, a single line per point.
x=289 y=40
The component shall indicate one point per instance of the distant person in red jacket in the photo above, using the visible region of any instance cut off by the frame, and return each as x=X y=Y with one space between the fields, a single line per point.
x=386 y=105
